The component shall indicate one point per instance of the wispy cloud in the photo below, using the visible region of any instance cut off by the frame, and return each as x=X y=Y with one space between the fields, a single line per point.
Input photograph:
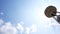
x=28 y=30
x=1 y=13
x=1 y=22
x=20 y=27
x=31 y=29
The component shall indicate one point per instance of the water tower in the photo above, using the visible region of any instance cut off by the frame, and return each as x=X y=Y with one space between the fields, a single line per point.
x=51 y=11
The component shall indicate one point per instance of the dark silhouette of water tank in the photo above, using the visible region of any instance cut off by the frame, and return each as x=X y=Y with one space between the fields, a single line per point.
x=51 y=11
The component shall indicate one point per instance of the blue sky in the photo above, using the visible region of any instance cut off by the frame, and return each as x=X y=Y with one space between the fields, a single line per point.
x=27 y=17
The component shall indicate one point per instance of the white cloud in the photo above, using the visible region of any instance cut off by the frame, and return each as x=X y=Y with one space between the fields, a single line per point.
x=8 y=28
